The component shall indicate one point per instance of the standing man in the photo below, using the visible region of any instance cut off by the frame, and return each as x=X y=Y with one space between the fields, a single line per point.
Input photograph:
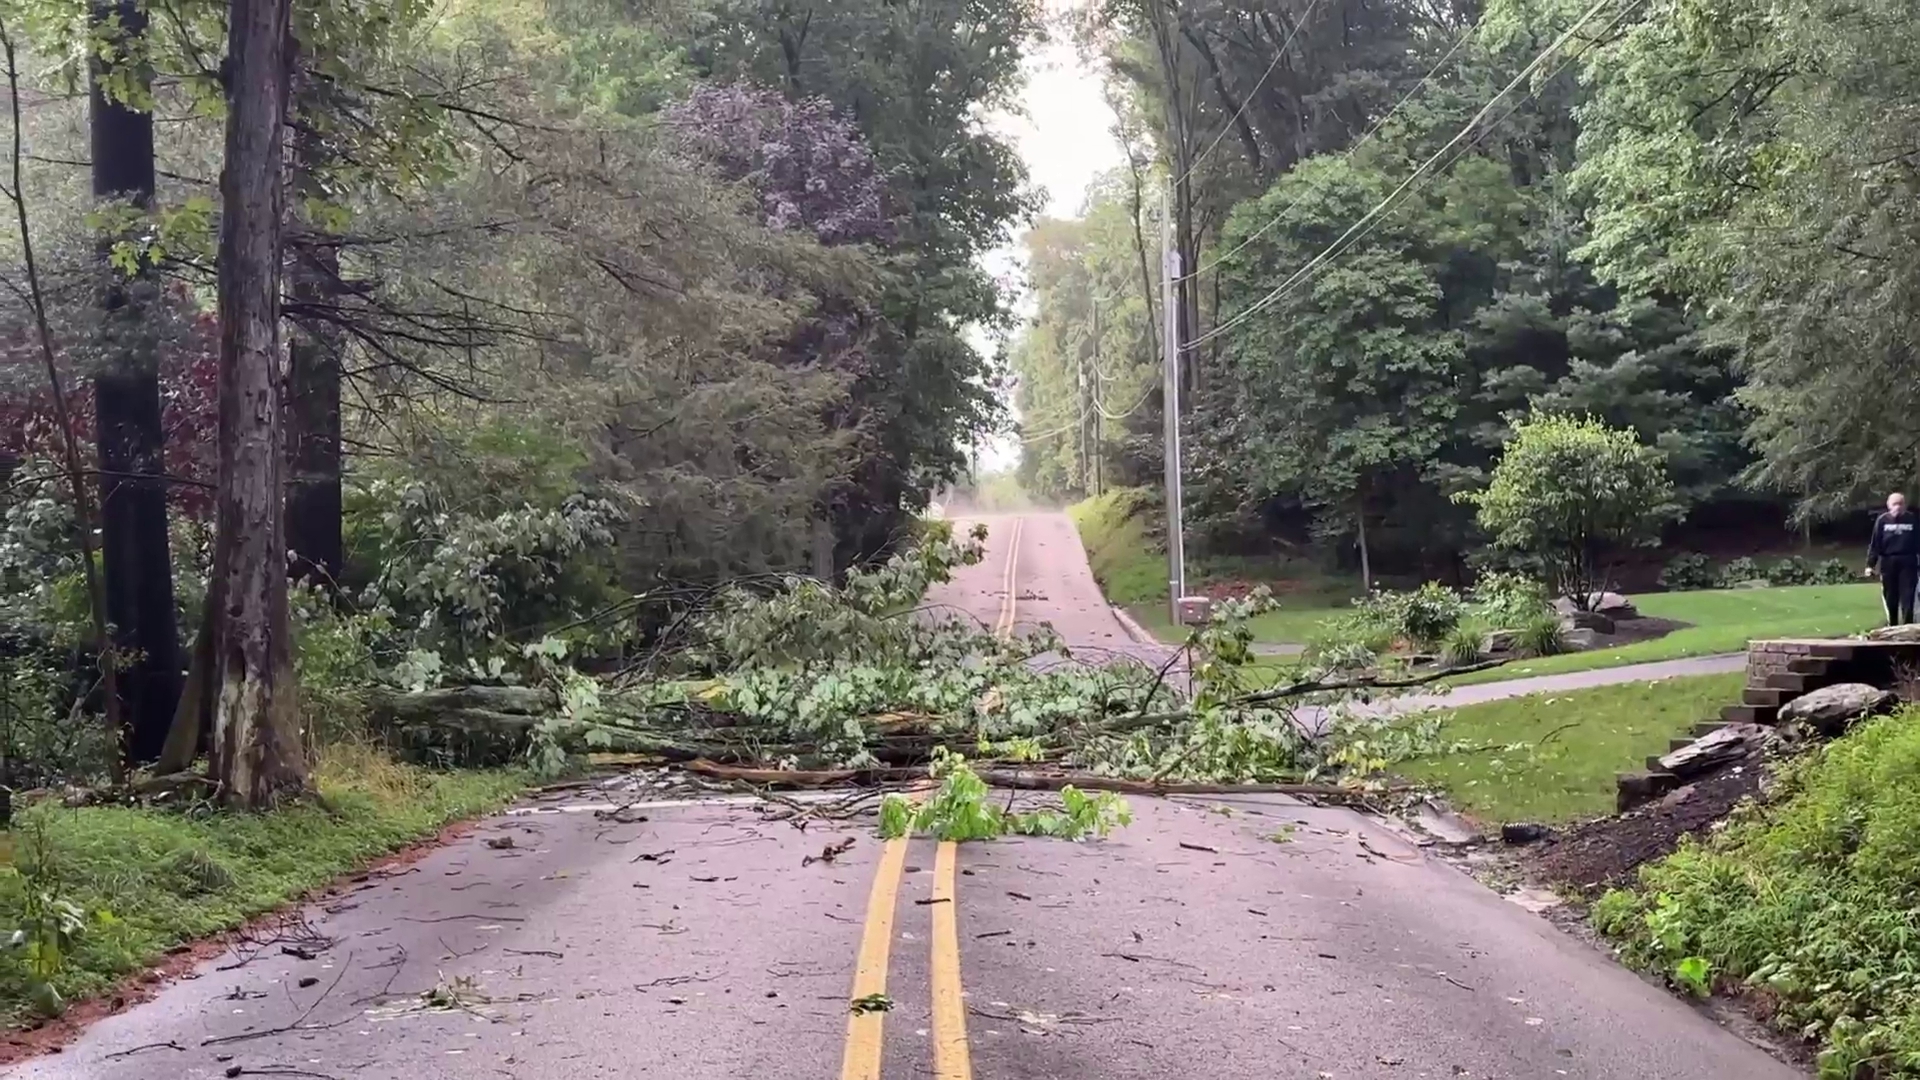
x=1895 y=551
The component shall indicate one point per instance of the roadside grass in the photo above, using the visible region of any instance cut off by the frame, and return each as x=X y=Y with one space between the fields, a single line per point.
x=1130 y=563
x=1723 y=621
x=1552 y=757
x=1807 y=902
x=164 y=878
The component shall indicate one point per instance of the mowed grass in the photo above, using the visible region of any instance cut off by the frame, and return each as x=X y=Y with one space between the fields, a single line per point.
x=151 y=879
x=1552 y=757
x=1131 y=567
x=1723 y=621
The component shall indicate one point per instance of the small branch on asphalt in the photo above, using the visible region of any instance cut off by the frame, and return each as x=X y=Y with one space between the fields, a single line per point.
x=299 y=1024
x=168 y=1045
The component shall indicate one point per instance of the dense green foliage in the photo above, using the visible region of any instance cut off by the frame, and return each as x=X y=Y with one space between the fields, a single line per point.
x=1586 y=249
x=1808 y=901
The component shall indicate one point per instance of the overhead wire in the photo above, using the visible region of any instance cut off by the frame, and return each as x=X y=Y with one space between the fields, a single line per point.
x=1279 y=55
x=1348 y=152
x=1367 y=222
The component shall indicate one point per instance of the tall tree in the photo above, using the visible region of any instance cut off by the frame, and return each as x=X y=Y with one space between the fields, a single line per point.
x=258 y=756
x=129 y=435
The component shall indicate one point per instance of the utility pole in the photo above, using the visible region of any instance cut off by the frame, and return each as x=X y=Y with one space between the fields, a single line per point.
x=1170 y=271
x=1099 y=454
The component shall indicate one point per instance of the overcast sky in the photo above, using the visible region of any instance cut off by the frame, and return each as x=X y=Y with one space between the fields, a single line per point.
x=1064 y=134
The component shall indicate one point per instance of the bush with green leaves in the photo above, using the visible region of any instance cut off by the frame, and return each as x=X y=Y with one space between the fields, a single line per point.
x=1688 y=571
x=1792 y=570
x=1422 y=617
x=1542 y=635
x=1741 y=572
x=1834 y=572
x=1808 y=901
x=1571 y=491
x=1506 y=599
x=1465 y=644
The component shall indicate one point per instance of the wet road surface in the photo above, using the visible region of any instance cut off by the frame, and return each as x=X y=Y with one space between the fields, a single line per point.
x=694 y=939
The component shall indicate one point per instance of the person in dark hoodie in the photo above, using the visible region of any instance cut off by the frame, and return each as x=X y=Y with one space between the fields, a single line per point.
x=1895 y=552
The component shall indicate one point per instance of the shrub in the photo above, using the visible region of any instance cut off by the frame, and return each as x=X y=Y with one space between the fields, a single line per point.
x=1833 y=572
x=1505 y=599
x=1792 y=570
x=1421 y=617
x=1739 y=572
x=1465 y=644
x=1690 y=570
x=1351 y=642
x=1540 y=636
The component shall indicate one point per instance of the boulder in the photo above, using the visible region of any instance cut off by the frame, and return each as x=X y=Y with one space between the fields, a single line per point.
x=1579 y=640
x=1500 y=641
x=1716 y=750
x=1901 y=634
x=1830 y=710
x=1613 y=605
x=1588 y=620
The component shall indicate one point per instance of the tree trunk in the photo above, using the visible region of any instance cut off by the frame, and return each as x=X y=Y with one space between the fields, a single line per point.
x=131 y=441
x=1366 y=557
x=257 y=753
x=314 y=368
x=313 y=416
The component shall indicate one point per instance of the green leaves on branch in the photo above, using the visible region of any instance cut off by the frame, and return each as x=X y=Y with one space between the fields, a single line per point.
x=960 y=810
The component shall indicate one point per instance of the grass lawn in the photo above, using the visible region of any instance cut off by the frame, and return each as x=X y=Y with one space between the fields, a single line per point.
x=1724 y=620
x=1551 y=757
x=162 y=878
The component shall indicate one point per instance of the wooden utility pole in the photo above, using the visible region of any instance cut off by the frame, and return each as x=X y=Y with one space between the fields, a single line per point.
x=1099 y=452
x=1170 y=270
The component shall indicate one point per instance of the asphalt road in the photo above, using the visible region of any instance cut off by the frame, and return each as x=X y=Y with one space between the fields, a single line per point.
x=688 y=939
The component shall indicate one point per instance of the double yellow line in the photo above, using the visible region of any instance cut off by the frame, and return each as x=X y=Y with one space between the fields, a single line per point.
x=952 y=1060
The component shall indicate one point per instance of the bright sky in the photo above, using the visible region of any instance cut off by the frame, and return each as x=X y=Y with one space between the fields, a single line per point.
x=1064 y=134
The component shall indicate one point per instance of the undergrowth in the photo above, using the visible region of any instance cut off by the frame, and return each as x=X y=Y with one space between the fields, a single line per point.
x=1811 y=904
x=112 y=888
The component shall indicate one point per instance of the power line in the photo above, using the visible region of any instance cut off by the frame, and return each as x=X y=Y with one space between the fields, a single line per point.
x=1278 y=56
x=1350 y=151
x=1365 y=224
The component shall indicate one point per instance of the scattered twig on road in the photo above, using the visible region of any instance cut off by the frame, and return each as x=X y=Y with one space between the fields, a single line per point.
x=536 y=952
x=1200 y=847
x=168 y=1045
x=1139 y=958
x=299 y=1024
x=457 y=918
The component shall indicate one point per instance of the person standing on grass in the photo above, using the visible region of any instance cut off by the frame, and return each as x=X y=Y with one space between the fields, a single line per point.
x=1895 y=552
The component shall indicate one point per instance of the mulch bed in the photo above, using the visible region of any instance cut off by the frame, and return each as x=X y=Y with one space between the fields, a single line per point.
x=1604 y=853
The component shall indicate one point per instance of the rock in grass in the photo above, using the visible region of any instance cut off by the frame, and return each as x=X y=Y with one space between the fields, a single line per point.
x=1830 y=710
x=1524 y=832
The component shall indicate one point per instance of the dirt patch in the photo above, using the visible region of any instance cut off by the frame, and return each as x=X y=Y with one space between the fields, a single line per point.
x=180 y=962
x=1604 y=853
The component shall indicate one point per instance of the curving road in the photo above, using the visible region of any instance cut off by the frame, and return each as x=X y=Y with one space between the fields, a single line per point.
x=692 y=939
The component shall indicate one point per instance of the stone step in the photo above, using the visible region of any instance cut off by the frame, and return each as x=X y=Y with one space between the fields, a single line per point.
x=1756 y=695
x=1678 y=744
x=1787 y=680
x=1749 y=714
x=1636 y=788
x=1707 y=727
x=1810 y=665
